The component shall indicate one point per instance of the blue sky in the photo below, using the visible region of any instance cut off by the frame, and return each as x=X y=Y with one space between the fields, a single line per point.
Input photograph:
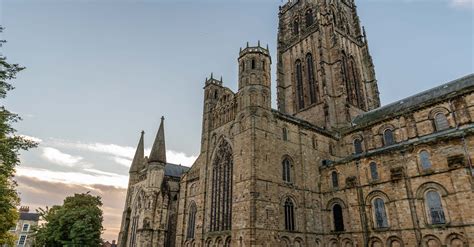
x=100 y=71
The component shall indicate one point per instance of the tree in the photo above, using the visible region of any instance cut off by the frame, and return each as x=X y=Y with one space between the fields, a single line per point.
x=78 y=222
x=10 y=146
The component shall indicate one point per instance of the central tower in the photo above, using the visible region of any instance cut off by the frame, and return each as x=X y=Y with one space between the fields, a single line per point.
x=325 y=73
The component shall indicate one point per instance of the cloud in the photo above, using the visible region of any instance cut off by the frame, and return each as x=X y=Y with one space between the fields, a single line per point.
x=31 y=138
x=55 y=156
x=123 y=155
x=467 y=4
x=38 y=193
x=77 y=178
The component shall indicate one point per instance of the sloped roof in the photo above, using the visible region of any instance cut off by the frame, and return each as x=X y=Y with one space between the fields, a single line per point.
x=172 y=170
x=428 y=97
x=29 y=216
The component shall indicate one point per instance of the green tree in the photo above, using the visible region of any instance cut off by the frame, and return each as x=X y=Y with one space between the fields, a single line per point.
x=78 y=222
x=10 y=146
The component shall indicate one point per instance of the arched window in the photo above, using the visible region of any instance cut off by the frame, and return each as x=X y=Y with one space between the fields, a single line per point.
x=221 y=197
x=335 y=179
x=284 y=134
x=388 y=138
x=358 y=146
x=243 y=65
x=338 y=218
x=299 y=84
x=425 y=160
x=296 y=27
x=253 y=63
x=373 y=171
x=312 y=84
x=441 y=122
x=286 y=164
x=380 y=213
x=133 y=231
x=309 y=18
x=191 y=221
x=435 y=207
x=289 y=215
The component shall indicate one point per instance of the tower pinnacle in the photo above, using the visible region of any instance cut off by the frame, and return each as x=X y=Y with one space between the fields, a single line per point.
x=158 y=151
x=139 y=155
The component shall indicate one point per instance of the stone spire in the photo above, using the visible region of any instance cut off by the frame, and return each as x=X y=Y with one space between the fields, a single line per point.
x=158 y=151
x=139 y=155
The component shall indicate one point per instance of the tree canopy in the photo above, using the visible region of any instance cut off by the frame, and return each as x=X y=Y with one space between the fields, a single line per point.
x=10 y=146
x=78 y=222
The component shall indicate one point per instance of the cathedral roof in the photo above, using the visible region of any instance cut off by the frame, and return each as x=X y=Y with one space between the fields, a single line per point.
x=426 y=98
x=172 y=170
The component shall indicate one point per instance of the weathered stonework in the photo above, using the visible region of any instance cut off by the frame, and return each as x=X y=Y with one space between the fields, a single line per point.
x=337 y=171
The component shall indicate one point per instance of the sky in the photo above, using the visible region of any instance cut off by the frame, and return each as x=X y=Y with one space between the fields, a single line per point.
x=100 y=71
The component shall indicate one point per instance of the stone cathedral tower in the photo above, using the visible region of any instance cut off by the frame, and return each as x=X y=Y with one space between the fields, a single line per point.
x=329 y=167
x=325 y=72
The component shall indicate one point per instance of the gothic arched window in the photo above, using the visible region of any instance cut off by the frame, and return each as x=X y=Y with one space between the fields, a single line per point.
x=380 y=213
x=334 y=179
x=373 y=171
x=286 y=165
x=289 y=215
x=388 y=138
x=425 y=160
x=191 y=221
x=338 y=218
x=299 y=84
x=441 y=122
x=221 y=201
x=309 y=17
x=296 y=27
x=312 y=83
x=358 y=146
x=435 y=207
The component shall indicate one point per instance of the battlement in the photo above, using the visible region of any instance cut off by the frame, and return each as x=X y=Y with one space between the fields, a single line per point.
x=212 y=80
x=254 y=49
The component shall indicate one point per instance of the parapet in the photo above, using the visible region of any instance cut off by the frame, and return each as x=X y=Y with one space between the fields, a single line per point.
x=254 y=49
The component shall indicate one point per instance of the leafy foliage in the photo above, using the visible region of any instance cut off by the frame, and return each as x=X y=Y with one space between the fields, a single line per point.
x=10 y=145
x=78 y=222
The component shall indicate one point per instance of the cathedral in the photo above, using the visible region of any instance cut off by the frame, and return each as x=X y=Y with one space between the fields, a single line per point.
x=330 y=167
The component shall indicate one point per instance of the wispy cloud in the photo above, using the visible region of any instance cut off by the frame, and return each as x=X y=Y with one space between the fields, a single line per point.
x=78 y=178
x=123 y=155
x=466 y=4
x=57 y=157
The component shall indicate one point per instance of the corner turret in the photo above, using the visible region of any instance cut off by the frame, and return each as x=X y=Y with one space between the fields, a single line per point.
x=255 y=76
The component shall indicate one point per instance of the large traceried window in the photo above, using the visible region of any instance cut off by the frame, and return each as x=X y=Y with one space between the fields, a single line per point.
x=441 y=122
x=286 y=166
x=312 y=84
x=289 y=215
x=425 y=160
x=374 y=174
x=191 y=221
x=338 y=218
x=435 y=208
x=388 y=138
x=133 y=231
x=299 y=84
x=380 y=213
x=221 y=203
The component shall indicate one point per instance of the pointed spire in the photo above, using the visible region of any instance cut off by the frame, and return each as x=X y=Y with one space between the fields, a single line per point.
x=158 y=151
x=138 y=159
